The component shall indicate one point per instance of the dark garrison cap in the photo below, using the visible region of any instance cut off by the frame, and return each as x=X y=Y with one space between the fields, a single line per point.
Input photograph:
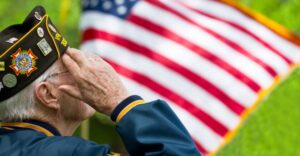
x=27 y=50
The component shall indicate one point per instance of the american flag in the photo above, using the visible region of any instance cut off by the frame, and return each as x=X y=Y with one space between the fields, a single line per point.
x=210 y=60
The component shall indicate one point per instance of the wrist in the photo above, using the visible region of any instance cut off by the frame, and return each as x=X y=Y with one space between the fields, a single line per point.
x=114 y=102
x=125 y=106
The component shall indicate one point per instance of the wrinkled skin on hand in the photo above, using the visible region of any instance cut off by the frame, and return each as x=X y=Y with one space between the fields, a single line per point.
x=99 y=84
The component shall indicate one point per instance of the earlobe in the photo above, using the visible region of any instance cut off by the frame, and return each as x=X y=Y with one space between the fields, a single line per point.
x=45 y=94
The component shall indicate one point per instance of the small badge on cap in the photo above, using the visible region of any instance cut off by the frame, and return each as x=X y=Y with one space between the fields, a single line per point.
x=40 y=32
x=44 y=47
x=2 y=66
x=11 y=40
x=37 y=16
x=52 y=28
x=9 y=80
x=23 y=62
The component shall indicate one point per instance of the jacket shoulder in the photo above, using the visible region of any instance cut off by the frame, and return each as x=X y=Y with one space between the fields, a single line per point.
x=60 y=145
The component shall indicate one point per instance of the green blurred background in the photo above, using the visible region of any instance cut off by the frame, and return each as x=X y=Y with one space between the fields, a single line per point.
x=273 y=129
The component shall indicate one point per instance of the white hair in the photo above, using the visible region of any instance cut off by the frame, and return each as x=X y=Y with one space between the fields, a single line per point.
x=22 y=105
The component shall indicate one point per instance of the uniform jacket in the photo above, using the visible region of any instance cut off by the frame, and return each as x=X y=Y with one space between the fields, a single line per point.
x=145 y=128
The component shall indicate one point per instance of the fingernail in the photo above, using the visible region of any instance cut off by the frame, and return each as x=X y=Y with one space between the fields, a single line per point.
x=66 y=56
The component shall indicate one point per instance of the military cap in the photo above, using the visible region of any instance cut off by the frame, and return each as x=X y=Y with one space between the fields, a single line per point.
x=27 y=50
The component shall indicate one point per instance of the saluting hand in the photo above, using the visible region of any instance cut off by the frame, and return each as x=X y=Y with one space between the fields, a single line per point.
x=98 y=83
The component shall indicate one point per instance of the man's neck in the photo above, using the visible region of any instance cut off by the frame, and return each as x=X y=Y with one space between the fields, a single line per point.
x=65 y=128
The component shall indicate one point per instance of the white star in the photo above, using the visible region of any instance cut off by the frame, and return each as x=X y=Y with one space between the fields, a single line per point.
x=107 y=5
x=119 y=2
x=121 y=10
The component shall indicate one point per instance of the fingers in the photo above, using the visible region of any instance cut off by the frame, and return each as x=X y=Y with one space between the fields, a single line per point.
x=71 y=65
x=77 y=56
x=71 y=90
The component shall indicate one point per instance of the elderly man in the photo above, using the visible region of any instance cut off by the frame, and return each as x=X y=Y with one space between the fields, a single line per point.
x=44 y=99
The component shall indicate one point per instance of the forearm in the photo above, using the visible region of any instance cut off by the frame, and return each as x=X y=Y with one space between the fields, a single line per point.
x=152 y=129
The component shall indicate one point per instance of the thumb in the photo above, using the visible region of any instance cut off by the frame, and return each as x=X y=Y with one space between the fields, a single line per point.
x=71 y=90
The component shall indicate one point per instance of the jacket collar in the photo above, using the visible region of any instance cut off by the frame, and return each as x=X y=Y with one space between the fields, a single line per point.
x=33 y=125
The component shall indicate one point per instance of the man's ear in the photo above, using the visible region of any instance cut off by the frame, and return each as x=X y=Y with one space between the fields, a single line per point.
x=46 y=94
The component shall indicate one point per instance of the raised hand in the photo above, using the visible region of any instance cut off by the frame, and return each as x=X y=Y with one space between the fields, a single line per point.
x=98 y=83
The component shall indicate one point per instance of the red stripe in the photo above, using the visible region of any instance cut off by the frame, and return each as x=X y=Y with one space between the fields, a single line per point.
x=242 y=29
x=225 y=40
x=172 y=96
x=197 y=49
x=201 y=149
x=293 y=37
x=90 y=34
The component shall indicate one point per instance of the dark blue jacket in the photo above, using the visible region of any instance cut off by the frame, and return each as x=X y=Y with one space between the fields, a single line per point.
x=146 y=129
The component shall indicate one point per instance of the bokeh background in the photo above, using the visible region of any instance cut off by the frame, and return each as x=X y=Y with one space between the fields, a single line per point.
x=272 y=129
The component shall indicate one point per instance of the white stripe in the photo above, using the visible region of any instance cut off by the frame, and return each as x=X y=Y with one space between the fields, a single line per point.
x=201 y=133
x=177 y=52
x=166 y=78
x=235 y=35
x=224 y=11
x=205 y=40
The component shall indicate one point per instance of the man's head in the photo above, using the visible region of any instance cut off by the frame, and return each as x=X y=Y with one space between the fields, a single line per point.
x=31 y=71
x=42 y=99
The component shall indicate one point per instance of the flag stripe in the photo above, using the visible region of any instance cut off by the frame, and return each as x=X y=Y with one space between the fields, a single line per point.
x=168 y=94
x=170 y=35
x=207 y=59
x=243 y=39
x=223 y=53
x=243 y=29
x=179 y=54
x=201 y=149
x=274 y=42
x=206 y=139
x=272 y=26
x=200 y=97
x=230 y=103
x=222 y=38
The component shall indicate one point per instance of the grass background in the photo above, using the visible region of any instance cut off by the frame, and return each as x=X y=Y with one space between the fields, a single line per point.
x=272 y=130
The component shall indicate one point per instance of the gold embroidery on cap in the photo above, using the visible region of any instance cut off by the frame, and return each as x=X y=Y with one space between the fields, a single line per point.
x=57 y=36
x=2 y=66
x=64 y=42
